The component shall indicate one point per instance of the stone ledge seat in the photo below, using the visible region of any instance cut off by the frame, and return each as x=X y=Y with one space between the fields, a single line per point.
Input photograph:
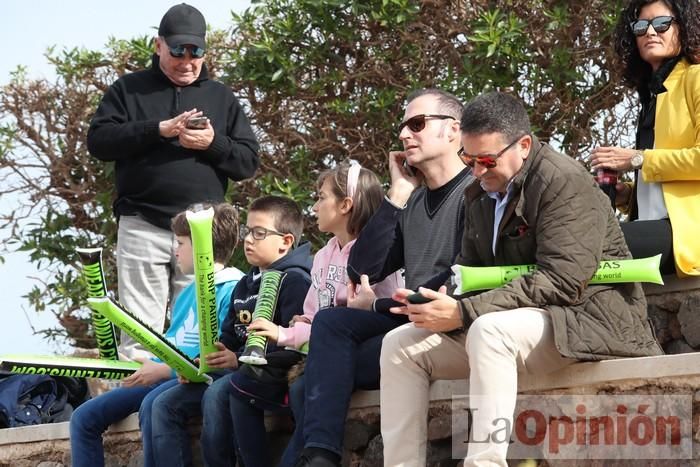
x=578 y=375
x=679 y=370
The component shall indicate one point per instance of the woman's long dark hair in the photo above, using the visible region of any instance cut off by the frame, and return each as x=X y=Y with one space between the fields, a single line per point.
x=635 y=71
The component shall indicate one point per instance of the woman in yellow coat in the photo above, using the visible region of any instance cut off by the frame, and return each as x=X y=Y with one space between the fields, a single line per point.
x=658 y=43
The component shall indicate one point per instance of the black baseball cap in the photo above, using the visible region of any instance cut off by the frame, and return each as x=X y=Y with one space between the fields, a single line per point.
x=183 y=24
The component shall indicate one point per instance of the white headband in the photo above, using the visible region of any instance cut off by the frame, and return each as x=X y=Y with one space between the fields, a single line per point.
x=353 y=177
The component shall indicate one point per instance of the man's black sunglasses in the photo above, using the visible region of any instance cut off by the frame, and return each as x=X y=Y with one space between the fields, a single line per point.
x=417 y=123
x=660 y=24
x=180 y=50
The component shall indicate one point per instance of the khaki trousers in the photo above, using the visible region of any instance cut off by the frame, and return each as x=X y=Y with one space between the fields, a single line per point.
x=148 y=276
x=495 y=349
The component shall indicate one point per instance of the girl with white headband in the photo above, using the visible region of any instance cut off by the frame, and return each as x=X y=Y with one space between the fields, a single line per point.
x=348 y=195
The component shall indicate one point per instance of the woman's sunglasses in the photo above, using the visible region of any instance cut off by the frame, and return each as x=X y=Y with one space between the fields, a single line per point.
x=417 y=123
x=180 y=50
x=660 y=24
x=488 y=161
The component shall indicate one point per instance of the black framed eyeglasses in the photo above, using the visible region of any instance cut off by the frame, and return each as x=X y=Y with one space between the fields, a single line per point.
x=180 y=50
x=417 y=123
x=660 y=24
x=488 y=161
x=258 y=233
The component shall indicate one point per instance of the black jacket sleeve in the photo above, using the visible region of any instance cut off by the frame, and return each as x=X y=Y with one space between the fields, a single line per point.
x=112 y=136
x=234 y=153
x=228 y=326
x=290 y=300
x=378 y=250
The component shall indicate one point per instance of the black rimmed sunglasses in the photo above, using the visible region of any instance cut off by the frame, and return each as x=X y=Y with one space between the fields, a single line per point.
x=660 y=24
x=180 y=50
x=258 y=233
x=417 y=123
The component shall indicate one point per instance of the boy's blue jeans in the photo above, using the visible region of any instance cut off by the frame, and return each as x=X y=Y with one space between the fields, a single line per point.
x=174 y=408
x=249 y=427
x=92 y=418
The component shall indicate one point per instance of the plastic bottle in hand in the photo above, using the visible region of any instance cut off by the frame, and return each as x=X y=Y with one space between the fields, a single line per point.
x=607 y=181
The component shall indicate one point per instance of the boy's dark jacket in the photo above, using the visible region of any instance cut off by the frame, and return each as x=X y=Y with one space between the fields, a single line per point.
x=290 y=301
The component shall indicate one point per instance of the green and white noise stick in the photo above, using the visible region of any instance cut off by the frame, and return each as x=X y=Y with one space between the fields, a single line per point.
x=469 y=279
x=67 y=366
x=200 y=222
x=265 y=306
x=94 y=276
x=153 y=341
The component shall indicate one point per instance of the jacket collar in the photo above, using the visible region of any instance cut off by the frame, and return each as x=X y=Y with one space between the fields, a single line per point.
x=155 y=68
x=675 y=75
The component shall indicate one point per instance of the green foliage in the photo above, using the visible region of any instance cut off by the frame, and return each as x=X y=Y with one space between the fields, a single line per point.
x=322 y=81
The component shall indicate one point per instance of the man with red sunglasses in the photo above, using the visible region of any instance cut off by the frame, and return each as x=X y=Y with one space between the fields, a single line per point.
x=176 y=137
x=528 y=205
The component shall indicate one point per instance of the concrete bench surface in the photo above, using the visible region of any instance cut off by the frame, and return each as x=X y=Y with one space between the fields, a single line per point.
x=586 y=374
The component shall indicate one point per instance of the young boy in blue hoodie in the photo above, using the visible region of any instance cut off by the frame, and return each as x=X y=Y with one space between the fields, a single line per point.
x=138 y=391
x=270 y=237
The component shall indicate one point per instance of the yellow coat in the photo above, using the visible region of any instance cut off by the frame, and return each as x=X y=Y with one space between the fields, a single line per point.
x=676 y=162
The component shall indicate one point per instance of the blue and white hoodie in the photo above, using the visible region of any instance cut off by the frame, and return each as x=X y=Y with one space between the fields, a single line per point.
x=184 y=326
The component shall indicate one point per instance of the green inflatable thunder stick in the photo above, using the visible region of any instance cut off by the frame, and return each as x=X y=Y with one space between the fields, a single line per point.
x=203 y=257
x=153 y=341
x=265 y=307
x=469 y=279
x=67 y=366
x=94 y=277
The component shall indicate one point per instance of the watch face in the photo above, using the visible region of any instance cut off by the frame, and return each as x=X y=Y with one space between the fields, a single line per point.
x=637 y=161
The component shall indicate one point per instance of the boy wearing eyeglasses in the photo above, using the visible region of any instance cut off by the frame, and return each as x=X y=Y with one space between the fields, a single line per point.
x=270 y=239
x=176 y=138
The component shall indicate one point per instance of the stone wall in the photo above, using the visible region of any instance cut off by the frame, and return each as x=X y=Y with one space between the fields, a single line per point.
x=675 y=317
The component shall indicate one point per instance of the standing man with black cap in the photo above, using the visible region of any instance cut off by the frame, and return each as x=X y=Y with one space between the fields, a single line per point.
x=176 y=137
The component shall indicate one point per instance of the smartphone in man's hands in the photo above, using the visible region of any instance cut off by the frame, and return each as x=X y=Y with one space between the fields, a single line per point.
x=418 y=299
x=197 y=123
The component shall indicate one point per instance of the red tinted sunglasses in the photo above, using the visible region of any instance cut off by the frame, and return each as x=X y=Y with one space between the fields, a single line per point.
x=417 y=123
x=487 y=161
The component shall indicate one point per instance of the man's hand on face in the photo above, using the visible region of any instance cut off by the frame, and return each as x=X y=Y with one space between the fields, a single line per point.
x=402 y=183
x=172 y=128
x=441 y=314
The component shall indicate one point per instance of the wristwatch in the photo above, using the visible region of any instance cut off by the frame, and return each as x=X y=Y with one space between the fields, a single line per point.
x=637 y=160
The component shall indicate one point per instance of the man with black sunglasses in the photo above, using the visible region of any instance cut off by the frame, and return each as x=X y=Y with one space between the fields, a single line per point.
x=528 y=205
x=418 y=228
x=176 y=137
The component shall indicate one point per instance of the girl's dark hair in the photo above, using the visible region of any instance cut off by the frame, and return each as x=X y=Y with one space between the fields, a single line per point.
x=367 y=198
x=635 y=71
x=224 y=229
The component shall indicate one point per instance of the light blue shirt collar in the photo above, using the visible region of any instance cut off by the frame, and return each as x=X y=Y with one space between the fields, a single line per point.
x=501 y=203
